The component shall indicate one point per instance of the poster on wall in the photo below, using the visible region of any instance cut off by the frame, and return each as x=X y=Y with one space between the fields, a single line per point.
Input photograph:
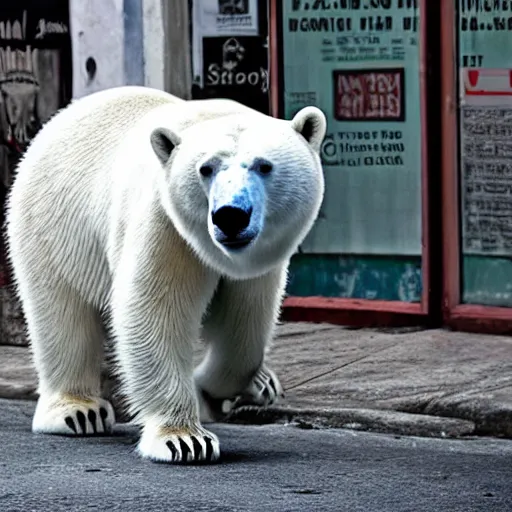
x=217 y=18
x=485 y=88
x=236 y=68
x=359 y=61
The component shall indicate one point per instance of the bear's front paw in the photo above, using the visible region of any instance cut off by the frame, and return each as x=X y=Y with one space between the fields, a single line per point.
x=263 y=390
x=179 y=445
x=72 y=415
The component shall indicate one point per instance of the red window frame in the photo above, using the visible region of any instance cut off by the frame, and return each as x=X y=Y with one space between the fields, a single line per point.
x=466 y=317
x=362 y=311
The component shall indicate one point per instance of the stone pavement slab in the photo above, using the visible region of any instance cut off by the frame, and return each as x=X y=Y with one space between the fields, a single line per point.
x=435 y=372
x=428 y=382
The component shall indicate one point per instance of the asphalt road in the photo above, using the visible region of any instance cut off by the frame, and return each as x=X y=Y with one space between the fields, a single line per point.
x=267 y=468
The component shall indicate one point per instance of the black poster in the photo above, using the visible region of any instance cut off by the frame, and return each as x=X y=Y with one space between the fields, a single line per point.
x=237 y=68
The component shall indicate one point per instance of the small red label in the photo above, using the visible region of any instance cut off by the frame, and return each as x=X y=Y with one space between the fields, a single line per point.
x=369 y=95
x=473 y=75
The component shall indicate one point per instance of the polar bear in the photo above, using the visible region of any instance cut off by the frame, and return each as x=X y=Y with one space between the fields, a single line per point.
x=163 y=221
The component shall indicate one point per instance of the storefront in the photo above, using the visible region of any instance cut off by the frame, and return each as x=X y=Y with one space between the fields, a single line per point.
x=416 y=226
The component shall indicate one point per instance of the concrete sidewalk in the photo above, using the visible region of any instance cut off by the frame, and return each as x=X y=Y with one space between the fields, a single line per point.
x=423 y=382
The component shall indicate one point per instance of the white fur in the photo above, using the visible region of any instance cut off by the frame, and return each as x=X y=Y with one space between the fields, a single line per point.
x=104 y=217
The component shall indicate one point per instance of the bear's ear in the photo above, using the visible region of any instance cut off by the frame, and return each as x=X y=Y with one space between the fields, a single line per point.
x=310 y=122
x=163 y=142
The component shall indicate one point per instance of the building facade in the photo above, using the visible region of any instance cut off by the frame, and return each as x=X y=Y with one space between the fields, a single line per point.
x=415 y=224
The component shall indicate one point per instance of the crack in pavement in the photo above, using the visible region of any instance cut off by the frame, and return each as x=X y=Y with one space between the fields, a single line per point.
x=344 y=365
x=297 y=334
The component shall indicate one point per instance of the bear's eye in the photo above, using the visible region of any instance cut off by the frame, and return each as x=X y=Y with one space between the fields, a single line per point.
x=263 y=166
x=206 y=170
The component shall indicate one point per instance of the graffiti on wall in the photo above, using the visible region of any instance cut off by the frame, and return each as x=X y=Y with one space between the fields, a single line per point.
x=35 y=81
x=30 y=88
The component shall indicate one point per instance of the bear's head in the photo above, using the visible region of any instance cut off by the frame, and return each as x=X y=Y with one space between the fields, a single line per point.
x=244 y=189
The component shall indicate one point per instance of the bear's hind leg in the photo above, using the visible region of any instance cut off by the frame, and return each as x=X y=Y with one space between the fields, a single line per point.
x=238 y=330
x=67 y=342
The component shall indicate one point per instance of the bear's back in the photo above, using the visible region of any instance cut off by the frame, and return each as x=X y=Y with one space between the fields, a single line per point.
x=58 y=204
x=80 y=140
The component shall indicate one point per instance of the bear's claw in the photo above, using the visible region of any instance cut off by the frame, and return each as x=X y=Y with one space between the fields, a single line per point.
x=80 y=423
x=75 y=416
x=263 y=390
x=179 y=446
x=181 y=452
x=265 y=387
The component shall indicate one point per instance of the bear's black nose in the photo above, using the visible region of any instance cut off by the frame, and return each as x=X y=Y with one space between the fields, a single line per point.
x=231 y=220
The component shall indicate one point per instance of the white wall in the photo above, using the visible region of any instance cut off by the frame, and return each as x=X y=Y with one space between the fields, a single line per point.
x=148 y=47
x=97 y=31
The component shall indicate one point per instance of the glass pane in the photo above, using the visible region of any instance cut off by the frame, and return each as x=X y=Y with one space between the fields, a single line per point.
x=359 y=62
x=485 y=87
